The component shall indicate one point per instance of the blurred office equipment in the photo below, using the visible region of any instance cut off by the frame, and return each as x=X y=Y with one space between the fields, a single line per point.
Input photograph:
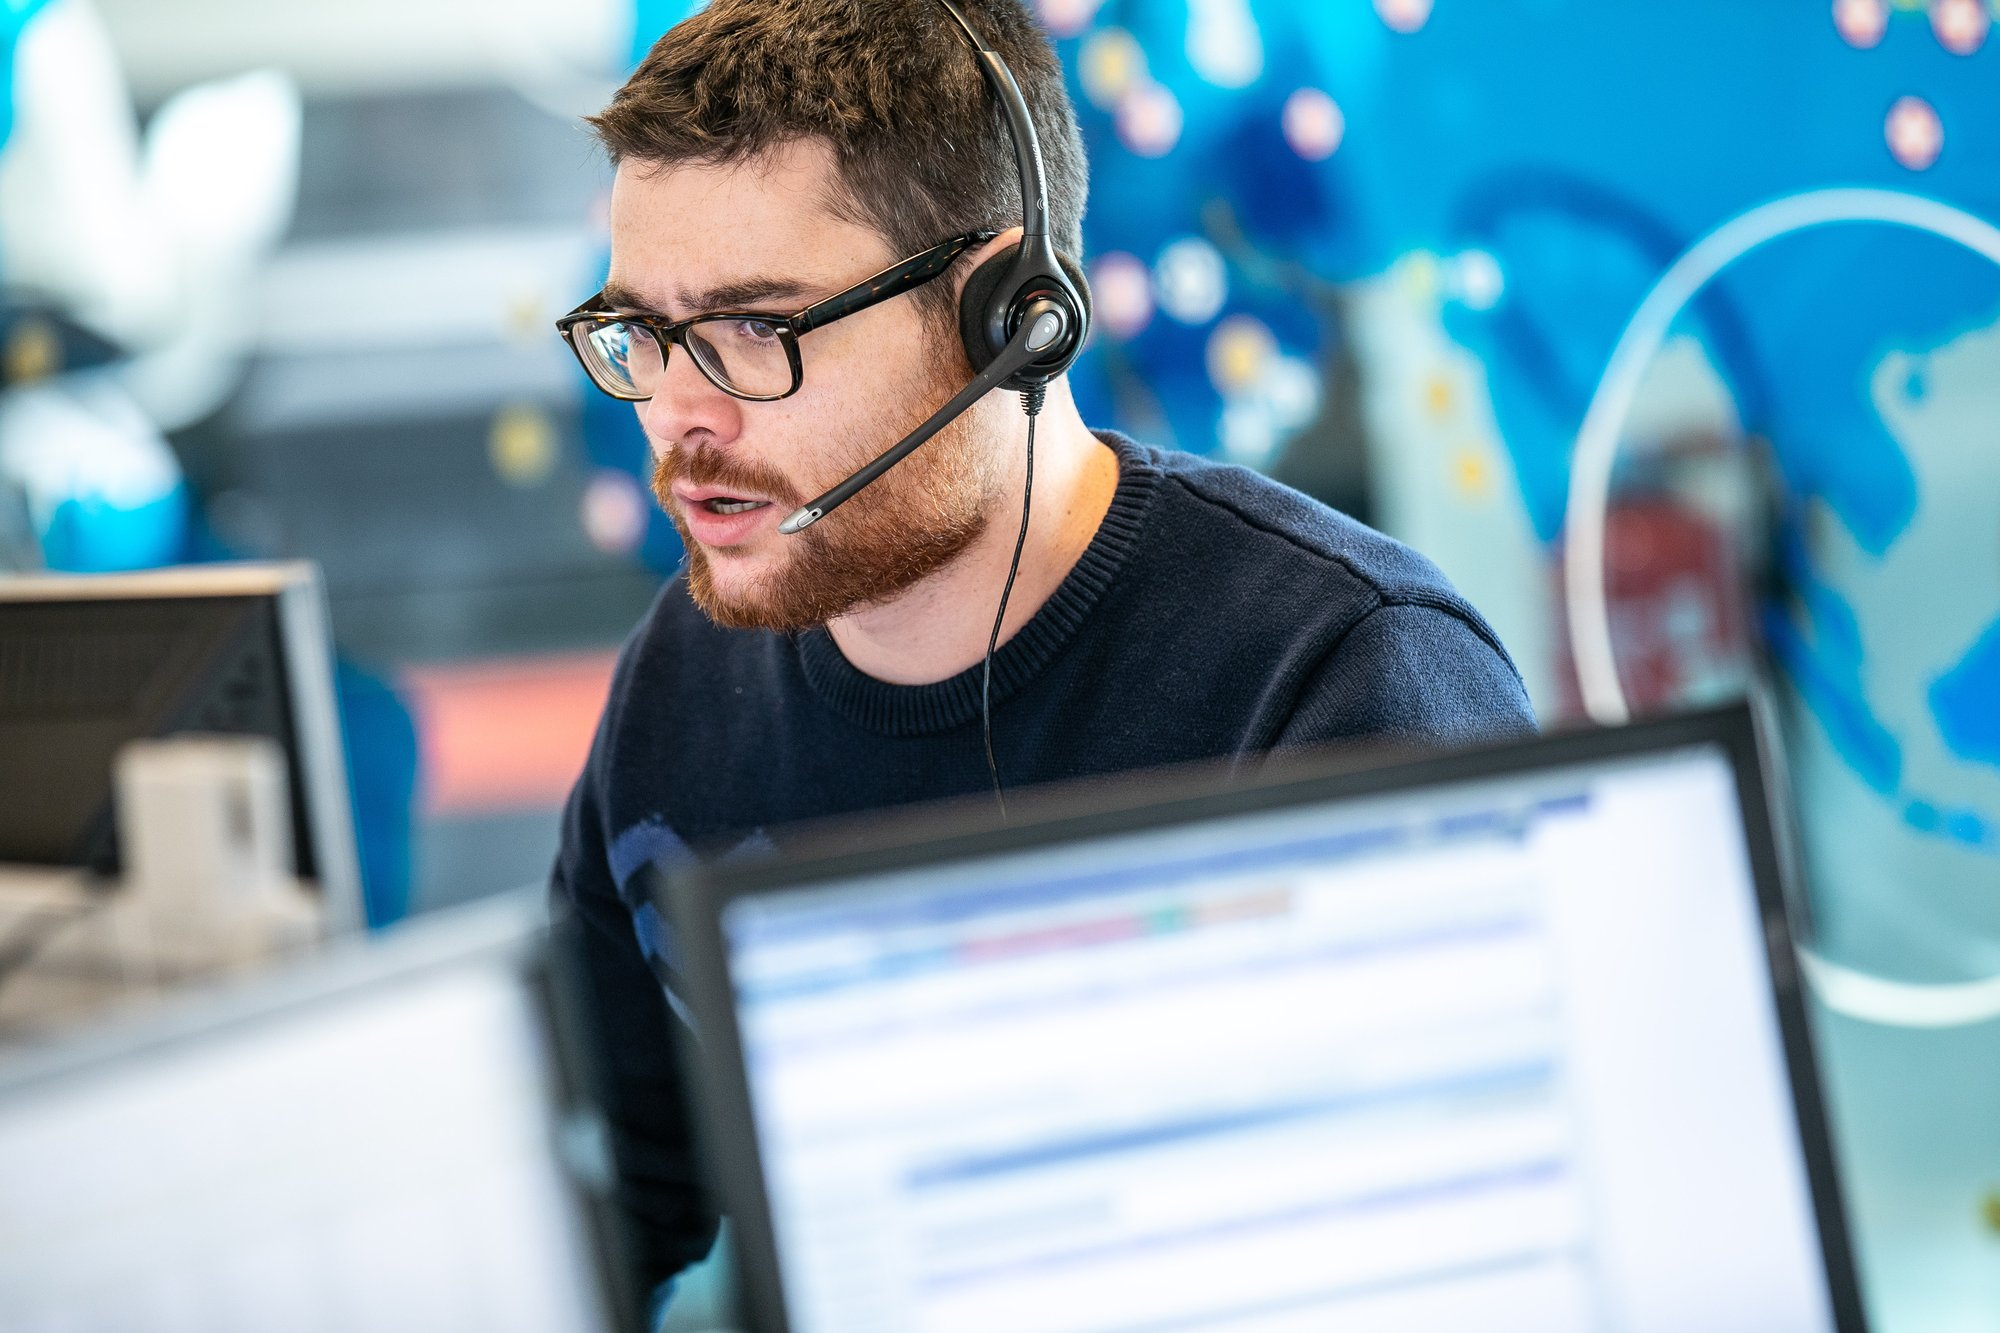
x=1410 y=1049
x=97 y=823
x=205 y=835
x=146 y=242
x=404 y=417
x=406 y=421
x=96 y=661
x=145 y=238
x=390 y=1140
x=255 y=245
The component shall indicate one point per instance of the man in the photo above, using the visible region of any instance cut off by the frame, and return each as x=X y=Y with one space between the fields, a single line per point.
x=772 y=154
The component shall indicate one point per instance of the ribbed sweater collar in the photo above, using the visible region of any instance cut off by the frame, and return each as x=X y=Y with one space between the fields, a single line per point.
x=919 y=710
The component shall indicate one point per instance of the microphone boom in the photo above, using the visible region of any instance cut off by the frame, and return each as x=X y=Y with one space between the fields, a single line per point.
x=1029 y=341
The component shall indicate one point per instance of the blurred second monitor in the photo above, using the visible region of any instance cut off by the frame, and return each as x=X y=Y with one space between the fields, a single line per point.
x=90 y=663
x=389 y=1140
x=1508 y=1041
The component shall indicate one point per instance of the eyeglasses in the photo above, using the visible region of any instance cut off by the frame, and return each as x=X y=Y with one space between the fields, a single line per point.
x=747 y=354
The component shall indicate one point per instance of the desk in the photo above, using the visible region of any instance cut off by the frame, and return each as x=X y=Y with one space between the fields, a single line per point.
x=58 y=962
x=72 y=951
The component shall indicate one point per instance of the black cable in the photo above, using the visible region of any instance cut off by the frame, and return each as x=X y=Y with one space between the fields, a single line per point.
x=1031 y=403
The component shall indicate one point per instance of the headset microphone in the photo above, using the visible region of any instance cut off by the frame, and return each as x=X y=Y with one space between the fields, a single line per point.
x=1046 y=324
x=1023 y=314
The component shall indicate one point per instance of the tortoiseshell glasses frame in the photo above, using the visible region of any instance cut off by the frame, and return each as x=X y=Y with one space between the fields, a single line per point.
x=748 y=354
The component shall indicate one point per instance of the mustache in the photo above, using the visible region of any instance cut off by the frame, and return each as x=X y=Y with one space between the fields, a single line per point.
x=705 y=465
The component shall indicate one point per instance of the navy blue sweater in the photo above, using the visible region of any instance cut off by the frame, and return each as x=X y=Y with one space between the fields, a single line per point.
x=1215 y=615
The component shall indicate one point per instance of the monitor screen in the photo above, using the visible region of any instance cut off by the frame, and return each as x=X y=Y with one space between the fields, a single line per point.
x=1499 y=1054
x=379 y=1160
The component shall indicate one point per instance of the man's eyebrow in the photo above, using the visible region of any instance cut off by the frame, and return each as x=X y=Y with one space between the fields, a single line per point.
x=617 y=296
x=741 y=294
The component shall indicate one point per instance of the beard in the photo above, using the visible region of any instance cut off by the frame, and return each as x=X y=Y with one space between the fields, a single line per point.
x=915 y=519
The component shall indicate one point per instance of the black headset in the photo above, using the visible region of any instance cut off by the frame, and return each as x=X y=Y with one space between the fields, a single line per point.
x=1023 y=315
x=1000 y=293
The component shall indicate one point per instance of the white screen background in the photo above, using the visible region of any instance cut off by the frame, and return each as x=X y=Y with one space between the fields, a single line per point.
x=381 y=1163
x=1522 y=1078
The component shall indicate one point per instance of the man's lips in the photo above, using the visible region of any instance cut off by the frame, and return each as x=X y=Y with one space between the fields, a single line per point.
x=691 y=496
x=719 y=516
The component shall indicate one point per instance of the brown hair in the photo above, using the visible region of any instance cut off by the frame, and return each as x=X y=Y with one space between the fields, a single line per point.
x=892 y=86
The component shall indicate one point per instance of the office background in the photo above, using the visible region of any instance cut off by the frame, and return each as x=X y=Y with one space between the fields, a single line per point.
x=279 y=282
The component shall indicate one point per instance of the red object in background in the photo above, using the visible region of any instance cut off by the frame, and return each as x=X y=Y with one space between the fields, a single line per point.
x=1680 y=629
x=504 y=735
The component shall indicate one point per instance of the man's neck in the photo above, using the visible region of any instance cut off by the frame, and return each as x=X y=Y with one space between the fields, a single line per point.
x=940 y=627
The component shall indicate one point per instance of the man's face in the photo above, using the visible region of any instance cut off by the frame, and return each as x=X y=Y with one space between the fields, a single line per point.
x=758 y=236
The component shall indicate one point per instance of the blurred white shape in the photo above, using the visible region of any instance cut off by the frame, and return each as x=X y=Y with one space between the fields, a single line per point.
x=1961 y=25
x=1262 y=415
x=1191 y=280
x=1477 y=280
x=1291 y=388
x=1223 y=44
x=1914 y=132
x=1861 y=22
x=307 y=1154
x=81 y=439
x=1404 y=15
x=205 y=835
x=222 y=162
x=1247 y=433
x=337 y=341
x=75 y=225
x=153 y=249
x=351 y=293
x=1122 y=292
x=221 y=176
x=1314 y=124
x=568 y=58
x=1149 y=120
x=558 y=53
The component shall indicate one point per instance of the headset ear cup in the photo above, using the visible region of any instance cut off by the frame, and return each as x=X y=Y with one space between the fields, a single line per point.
x=978 y=301
x=975 y=308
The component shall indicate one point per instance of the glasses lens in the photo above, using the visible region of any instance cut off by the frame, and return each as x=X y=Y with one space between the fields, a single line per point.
x=743 y=355
x=624 y=359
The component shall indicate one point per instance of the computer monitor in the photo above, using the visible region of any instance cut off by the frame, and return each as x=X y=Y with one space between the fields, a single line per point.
x=389 y=1140
x=90 y=662
x=1506 y=1040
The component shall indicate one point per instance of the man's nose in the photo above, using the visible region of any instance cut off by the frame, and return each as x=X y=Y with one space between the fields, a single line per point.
x=684 y=402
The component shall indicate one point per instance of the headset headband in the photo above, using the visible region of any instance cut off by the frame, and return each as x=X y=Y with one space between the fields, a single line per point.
x=1020 y=125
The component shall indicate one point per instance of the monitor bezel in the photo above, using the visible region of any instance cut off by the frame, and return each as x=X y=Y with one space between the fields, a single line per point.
x=697 y=895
